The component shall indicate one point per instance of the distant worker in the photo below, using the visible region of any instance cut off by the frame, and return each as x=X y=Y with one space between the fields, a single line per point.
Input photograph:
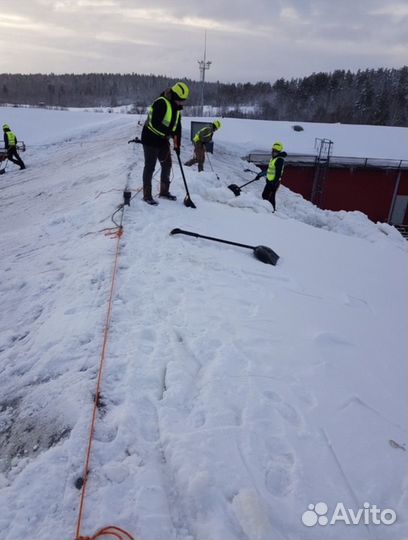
x=163 y=122
x=203 y=136
x=273 y=173
x=10 y=144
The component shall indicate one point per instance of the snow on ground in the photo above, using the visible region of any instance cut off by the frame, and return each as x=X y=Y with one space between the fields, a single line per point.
x=235 y=394
x=37 y=127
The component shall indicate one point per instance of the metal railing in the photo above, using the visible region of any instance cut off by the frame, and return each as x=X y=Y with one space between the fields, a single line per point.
x=309 y=160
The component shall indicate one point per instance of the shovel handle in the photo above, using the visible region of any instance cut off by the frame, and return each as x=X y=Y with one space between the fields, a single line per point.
x=182 y=174
x=250 y=182
x=196 y=235
x=262 y=253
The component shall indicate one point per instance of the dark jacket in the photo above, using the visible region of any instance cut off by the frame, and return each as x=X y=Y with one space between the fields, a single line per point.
x=159 y=109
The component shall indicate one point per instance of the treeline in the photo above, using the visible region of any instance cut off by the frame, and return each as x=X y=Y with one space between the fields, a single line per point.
x=366 y=97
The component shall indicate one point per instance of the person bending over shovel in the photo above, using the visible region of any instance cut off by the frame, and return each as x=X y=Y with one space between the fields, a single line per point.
x=273 y=173
x=163 y=122
x=200 y=139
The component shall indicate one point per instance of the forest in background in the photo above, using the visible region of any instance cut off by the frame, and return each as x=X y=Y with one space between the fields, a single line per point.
x=371 y=96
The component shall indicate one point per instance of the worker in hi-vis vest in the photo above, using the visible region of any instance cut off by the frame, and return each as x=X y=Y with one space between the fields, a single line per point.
x=163 y=122
x=203 y=136
x=10 y=144
x=273 y=173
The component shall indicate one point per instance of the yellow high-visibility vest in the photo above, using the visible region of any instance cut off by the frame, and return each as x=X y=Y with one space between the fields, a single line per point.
x=166 y=120
x=204 y=135
x=12 y=139
x=271 y=172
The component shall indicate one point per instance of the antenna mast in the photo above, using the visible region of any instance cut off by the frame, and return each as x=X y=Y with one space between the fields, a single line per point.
x=203 y=66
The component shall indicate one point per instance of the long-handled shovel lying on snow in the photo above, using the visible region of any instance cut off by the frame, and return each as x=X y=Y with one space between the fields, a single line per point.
x=262 y=253
x=237 y=189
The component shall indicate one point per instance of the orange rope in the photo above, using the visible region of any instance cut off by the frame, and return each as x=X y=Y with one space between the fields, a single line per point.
x=113 y=232
x=116 y=532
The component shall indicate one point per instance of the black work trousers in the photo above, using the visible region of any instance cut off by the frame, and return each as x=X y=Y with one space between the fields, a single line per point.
x=13 y=156
x=151 y=155
x=269 y=192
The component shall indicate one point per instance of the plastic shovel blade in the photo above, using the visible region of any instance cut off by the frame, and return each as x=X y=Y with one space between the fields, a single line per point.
x=266 y=255
x=188 y=202
x=236 y=190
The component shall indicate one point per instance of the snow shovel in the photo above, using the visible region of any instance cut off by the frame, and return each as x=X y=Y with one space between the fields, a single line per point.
x=237 y=189
x=187 y=200
x=262 y=253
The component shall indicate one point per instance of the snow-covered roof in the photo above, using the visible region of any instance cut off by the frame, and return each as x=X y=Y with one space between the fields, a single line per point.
x=233 y=393
x=354 y=141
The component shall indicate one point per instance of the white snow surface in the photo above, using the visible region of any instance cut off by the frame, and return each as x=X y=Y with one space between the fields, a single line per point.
x=234 y=393
x=360 y=141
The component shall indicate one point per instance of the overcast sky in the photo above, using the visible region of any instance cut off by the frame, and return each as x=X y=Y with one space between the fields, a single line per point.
x=247 y=40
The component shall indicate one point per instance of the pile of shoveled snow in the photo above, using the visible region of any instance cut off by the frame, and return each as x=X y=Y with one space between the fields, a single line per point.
x=291 y=205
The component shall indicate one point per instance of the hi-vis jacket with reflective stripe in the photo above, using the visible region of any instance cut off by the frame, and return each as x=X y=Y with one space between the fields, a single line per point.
x=9 y=139
x=275 y=169
x=168 y=123
x=204 y=135
x=274 y=172
x=163 y=121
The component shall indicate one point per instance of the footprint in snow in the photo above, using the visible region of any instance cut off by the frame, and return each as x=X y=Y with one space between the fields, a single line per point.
x=149 y=420
x=278 y=480
x=273 y=396
x=198 y=420
x=290 y=414
x=105 y=433
x=305 y=396
x=331 y=338
x=287 y=411
x=146 y=340
x=279 y=472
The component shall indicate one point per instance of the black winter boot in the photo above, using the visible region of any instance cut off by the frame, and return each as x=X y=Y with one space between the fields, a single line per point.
x=168 y=196
x=147 y=196
x=150 y=201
